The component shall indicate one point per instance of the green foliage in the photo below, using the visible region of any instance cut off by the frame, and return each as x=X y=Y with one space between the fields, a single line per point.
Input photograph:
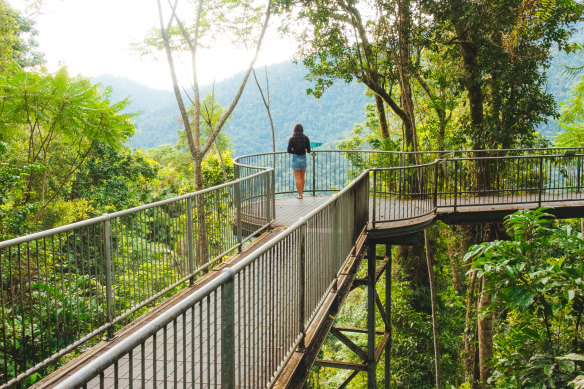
x=572 y=118
x=536 y=281
x=50 y=123
x=368 y=135
x=8 y=35
x=113 y=179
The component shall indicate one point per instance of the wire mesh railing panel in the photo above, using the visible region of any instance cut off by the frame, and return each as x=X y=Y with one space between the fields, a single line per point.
x=267 y=312
x=181 y=349
x=510 y=180
x=52 y=292
x=63 y=287
x=404 y=193
x=148 y=253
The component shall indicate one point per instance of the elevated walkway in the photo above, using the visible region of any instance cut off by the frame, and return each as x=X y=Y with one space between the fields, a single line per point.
x=255 y=318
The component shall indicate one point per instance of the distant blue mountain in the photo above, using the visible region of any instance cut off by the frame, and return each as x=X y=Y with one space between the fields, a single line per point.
x=327 y=120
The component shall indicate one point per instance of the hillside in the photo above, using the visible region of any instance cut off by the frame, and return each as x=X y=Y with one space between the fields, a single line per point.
x=326 y=120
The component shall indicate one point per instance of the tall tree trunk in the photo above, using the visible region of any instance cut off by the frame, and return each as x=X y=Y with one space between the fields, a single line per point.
x=202 y=238
x=485 y=335
x=472 y=77
x=404 y=42
x=382 y=117
x=412 y=262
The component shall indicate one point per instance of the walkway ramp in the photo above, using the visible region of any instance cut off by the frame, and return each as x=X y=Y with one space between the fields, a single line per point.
x=244 y=324
x=194 y=336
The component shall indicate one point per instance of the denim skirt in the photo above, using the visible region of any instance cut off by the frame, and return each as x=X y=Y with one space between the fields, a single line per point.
x=299 y=162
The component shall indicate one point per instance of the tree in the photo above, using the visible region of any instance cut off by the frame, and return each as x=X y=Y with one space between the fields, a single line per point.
x=50 y=124
x=341 y=44
x=535 y=279
x=17 y=40
x=240 y=18
x=572 y=119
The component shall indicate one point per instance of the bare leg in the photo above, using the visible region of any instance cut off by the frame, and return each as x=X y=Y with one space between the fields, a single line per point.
x=299 y=180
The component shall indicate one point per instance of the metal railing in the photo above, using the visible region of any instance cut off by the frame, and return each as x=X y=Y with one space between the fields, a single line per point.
x=410 y=192
x=241 y=327
x=62 y=287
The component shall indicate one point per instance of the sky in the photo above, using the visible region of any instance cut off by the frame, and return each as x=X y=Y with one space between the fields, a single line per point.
x=94 y=37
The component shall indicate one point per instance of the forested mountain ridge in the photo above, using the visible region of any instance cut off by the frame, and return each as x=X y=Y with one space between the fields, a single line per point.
x=328 y=119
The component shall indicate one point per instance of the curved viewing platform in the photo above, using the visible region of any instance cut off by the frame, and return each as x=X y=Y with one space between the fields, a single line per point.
x=254 y=266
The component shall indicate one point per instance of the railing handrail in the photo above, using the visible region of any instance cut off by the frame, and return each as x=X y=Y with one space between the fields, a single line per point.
x=129 y=211
x=134 y=339
x=390 y=152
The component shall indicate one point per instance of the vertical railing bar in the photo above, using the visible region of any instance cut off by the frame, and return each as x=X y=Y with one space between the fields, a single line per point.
x=190 y=240
x=131 y=369
x=108 y=277
x=314 y=173
x=540 y=178
x=374 y=215
x=302 y=286
x=455 y=183
x=238 y=210
x=228 y=331
x=154 y=360
x=165 y=356
x=266 y=179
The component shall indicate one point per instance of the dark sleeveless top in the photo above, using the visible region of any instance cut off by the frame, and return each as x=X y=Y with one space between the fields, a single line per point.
x=299 y=144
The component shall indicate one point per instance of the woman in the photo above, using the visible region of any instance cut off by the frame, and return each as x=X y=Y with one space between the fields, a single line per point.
x=299 y=145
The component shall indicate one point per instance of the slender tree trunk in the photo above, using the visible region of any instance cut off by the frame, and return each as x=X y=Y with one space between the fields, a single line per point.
x=429 y=263
x=266 y=101
x=382 y=117
x=485 y=335
x=412 y=262
x=403 y=64
x=202 y=239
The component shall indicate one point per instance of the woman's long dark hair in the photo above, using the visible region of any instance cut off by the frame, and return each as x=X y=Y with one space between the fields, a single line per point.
x=298 y=130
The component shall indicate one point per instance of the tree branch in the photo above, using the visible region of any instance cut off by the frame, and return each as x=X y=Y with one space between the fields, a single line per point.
x=226 y=115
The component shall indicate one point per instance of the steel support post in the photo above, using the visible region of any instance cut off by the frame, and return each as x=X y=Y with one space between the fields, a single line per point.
x=578 y=173
x=336 y=239
x=107 y=232
x=268 y=202
x=455 y=183
x=374 y=197
x=302 y=283
x=228 y=332
x=436 y=184
x=388 y=329
x=371 y=365
x=313 y=173
x=273 y=194
x=540 y=180
x=237 y=189
x=190 y=240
